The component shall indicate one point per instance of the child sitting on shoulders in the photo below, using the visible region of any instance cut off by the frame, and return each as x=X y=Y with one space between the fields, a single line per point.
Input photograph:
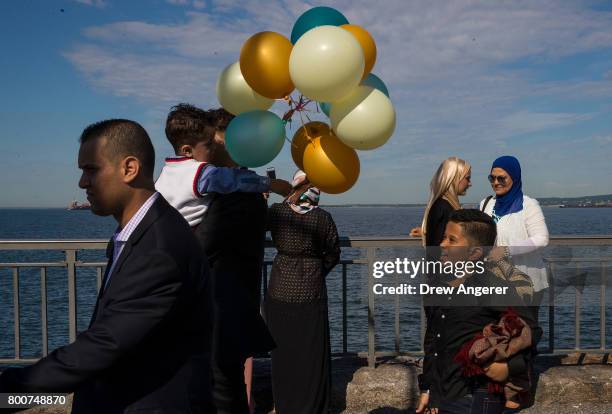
x=201 y=165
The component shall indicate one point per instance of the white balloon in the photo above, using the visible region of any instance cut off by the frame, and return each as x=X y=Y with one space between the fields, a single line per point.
x=235 y=95
x=326 y=63
x=365 y=119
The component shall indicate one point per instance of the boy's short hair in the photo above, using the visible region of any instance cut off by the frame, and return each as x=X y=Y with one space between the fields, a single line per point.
x=188 y=125
x=476 y=225
x=218 y=118
x=123 y=138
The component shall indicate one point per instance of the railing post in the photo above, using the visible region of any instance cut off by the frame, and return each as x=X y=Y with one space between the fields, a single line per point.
x=602 y=304
x=263 y=288
x=98 y=278
x=71 y=258
x=265 y=279
x=577 y=310
x=43 y=310
x=397 y=318
x=16 y=314
x=344 y=316
x=423 y=325
x=551 y=309
x=371 y=253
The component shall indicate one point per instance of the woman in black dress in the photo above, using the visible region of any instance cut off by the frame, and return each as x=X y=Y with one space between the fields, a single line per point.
x=296 y=303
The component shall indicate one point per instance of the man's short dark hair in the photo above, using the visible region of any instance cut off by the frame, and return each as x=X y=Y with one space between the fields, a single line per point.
x=124 y=138
x=188 y=125
x=218 y=118
x=477 y=226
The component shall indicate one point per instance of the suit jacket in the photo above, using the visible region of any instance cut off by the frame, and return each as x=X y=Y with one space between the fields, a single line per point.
x=147 y=348
x=233 y=234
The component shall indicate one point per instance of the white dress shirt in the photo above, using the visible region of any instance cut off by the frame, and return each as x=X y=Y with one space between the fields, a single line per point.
x=122 y=235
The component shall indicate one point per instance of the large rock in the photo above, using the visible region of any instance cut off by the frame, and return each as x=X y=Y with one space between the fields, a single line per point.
x=390 y=385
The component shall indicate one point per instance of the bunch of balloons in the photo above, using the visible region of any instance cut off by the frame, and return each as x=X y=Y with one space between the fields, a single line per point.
x=329 y=61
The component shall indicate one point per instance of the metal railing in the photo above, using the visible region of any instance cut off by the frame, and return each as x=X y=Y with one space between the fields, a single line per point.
x=71 y=263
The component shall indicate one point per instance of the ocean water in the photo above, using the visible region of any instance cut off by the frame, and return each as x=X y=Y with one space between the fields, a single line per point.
x=50 y=224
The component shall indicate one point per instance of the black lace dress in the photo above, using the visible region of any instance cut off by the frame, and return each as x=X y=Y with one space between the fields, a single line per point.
x=296 y=308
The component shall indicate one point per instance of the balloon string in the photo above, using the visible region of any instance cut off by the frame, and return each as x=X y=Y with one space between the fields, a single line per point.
x=299 y=106
x=290 y=141
x=304 y=125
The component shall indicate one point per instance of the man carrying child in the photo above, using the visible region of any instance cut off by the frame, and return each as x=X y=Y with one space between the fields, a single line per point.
x=224 y=205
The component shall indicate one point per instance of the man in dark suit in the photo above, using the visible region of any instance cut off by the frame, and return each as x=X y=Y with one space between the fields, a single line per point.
x=147 y=347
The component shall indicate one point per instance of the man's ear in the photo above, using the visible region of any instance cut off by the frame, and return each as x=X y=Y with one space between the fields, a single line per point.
x=219 y=137
x=475 y=253
x=130 y=168
x=186 y=151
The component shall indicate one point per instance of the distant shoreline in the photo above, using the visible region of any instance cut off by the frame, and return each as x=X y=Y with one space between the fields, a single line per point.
x=595 y=201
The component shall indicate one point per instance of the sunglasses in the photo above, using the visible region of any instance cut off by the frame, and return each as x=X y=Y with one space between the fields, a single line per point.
x=499 y=178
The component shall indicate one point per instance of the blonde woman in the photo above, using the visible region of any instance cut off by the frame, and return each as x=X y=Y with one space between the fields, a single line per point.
x=452 y=180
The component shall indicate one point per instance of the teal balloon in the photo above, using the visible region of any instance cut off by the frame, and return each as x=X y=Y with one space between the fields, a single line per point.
x=315 y=17
x=325 y=107
x=375 y=82
x=254 y=138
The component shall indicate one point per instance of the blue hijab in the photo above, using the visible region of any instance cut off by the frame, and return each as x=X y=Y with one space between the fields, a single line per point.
x=512 y=201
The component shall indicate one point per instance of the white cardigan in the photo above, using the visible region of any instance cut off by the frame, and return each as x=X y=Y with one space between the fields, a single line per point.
x=524 y=233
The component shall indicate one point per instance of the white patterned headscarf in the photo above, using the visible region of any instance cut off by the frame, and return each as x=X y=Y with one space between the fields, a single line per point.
x=309 y=200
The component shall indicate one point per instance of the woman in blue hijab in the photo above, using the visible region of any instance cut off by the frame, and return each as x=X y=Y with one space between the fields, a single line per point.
x=505 y=178
x=521 y=228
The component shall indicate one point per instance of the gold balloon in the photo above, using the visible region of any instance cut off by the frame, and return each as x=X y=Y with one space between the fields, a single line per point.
x=303 y=136
x=264 y=63
x=367 y=43
x=330 y=164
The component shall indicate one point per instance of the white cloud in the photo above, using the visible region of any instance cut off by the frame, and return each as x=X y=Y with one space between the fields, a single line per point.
x=524 y=122
x=202 y=37
x=95 y=3
x=424 y=49
x=604 y=140
x=106 y=71
x=199 y=4
x=460 y=73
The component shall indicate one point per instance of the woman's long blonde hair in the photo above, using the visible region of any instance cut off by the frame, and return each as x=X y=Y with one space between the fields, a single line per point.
x=444 y=184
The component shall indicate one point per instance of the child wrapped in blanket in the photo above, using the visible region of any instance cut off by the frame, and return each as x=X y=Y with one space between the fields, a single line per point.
x=497 y=343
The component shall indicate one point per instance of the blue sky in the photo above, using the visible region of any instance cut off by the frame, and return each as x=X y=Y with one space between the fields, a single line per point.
x=467 y=78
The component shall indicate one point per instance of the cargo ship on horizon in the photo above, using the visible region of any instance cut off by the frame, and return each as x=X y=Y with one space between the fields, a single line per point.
x=75 y=205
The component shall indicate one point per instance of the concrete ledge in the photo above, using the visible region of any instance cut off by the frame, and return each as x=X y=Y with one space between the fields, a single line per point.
x=565 y=384
x=570 y=384
x=575 y=385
